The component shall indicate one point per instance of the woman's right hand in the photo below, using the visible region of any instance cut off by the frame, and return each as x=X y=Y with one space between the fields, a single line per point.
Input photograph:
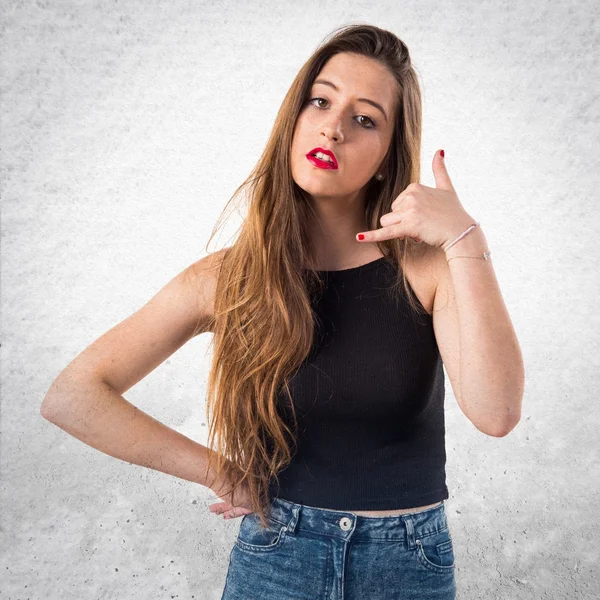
x=226 y=508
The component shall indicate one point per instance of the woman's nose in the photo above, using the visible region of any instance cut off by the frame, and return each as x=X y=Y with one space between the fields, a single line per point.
x=333 y=130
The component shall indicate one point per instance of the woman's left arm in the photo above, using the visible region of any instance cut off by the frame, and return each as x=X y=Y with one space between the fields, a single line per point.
x=491 y=370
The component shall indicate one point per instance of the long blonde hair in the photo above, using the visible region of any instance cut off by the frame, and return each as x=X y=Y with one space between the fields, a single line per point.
x=263 y=321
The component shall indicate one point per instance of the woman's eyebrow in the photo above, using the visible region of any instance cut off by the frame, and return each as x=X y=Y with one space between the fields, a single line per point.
x=371 y=102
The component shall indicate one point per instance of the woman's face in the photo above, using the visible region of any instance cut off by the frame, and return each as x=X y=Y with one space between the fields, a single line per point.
x=357 y=132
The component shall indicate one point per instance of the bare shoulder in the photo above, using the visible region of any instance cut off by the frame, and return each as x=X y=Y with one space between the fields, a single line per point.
x=424 y=267
x=202 y=277
x=430 y=278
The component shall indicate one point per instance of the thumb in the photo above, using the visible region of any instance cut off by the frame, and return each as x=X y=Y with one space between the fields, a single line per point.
x=440 y=173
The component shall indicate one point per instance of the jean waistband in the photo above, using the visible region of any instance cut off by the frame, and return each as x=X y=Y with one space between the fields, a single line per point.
x=344 y=525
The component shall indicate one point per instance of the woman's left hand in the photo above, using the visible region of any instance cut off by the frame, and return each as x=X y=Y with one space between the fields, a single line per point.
x=431 y=215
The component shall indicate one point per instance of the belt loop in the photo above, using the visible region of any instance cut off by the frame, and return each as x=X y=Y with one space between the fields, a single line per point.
x=410 y=531
x=291 y=526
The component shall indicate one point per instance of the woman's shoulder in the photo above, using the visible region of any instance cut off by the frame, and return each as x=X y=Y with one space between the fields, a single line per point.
x=202 y=275
x=423 y=267
x=206 y=268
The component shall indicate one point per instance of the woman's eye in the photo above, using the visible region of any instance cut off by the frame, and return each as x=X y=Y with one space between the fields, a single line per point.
x=368 y=119
x=372 y=123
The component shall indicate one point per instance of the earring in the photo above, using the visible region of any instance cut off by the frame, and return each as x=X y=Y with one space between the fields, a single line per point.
x=379 y=176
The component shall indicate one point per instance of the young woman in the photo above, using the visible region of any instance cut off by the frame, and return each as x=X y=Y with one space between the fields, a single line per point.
x=326 y=390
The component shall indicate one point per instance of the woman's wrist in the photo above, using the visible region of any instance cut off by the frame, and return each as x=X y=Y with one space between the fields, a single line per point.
x=473 y=244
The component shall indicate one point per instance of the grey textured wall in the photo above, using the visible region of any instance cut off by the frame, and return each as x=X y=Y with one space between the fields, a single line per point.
x=126 y=126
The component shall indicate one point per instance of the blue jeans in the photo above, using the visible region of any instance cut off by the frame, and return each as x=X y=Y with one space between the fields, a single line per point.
x=310 y=553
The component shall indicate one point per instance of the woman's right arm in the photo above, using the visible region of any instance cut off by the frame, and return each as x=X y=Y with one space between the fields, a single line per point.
x=86 y=401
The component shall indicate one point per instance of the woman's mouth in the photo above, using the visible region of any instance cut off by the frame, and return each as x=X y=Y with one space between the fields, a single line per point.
x=320 y=163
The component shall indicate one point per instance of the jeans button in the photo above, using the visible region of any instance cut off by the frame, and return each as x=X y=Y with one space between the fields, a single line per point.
x=345 y=523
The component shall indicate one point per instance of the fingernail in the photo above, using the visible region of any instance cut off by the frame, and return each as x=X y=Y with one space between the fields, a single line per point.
x=361 y=236
x=442 y=153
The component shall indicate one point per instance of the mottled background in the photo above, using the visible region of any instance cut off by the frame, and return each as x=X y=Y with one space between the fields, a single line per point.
x=126 y=126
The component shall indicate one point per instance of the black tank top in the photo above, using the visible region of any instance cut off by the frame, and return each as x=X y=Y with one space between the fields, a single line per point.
x=369 y=401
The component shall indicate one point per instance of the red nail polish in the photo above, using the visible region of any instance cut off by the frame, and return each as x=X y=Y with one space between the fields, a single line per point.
x=361 y=236
x=442 y=153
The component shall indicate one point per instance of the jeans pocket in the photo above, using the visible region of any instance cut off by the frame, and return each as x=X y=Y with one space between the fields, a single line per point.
x=435 y=551
x=252 y=537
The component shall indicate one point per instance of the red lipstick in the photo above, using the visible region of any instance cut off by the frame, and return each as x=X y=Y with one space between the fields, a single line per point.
x=322 y=164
